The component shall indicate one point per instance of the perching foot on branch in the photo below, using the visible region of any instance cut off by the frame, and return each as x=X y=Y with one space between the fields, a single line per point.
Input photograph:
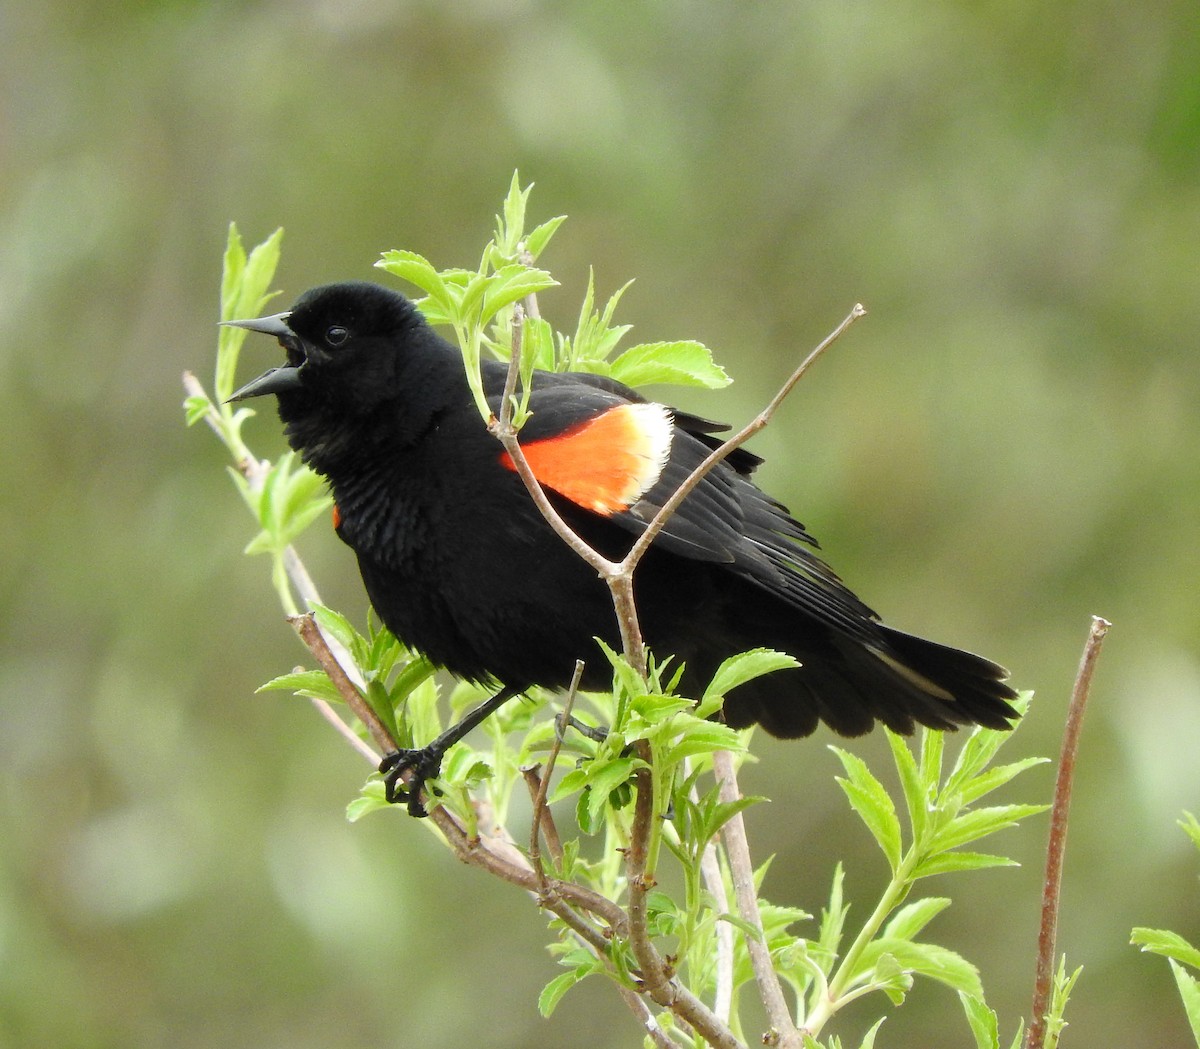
x=425 y=763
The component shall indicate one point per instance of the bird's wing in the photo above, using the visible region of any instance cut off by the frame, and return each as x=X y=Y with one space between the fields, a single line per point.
x=621 y=457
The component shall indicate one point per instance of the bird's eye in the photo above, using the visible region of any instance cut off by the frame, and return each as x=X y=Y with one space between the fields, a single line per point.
x=336 y=335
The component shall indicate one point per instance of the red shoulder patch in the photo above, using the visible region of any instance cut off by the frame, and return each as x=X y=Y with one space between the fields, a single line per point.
x=605 y=463
x=337 y=517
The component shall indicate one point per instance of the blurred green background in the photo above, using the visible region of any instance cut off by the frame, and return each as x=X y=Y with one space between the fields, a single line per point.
x=1006 y=445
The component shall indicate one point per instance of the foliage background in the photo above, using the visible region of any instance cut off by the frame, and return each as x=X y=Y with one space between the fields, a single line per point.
x=1007 y=445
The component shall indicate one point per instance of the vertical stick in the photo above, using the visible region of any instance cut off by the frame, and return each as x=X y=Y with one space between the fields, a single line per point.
x=1056 y=848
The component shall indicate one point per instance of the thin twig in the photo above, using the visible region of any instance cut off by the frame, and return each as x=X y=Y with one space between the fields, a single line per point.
x=532 y=774
x=542 y=822
x=642 y=1011
x=619 y=577
x=714 y=882
x=737 y=849
x=306 y=626
x=1056 y=849
x=668 y=508
x=255 y=471
x=494 y=855
x=640 y=880
x=345 y=731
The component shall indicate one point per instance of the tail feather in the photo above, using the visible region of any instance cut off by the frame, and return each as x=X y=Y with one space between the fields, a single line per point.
x=902 y=681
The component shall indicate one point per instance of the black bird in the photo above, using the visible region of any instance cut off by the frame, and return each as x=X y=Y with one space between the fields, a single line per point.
x=461 y=566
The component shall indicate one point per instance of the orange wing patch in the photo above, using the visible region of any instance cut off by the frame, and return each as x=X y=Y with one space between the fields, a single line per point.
x=606 y=463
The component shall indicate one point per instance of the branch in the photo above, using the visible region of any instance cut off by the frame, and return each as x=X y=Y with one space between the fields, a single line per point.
x=619 y=577
x=737 y=850
x=710 y=871
x=542 y=822
x=1055 y=850
x=502 y=429
x=736 y=441
x=471 y=851
x=306 y=626
x=255 y=470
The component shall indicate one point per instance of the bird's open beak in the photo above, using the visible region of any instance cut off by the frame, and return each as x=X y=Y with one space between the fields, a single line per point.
x=276 y=324
x=275 y=380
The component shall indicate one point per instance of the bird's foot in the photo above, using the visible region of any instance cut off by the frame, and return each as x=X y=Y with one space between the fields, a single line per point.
x=423 y=764
x=596 y=735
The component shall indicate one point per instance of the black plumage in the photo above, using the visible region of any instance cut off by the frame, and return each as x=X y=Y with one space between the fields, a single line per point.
x=458 y=562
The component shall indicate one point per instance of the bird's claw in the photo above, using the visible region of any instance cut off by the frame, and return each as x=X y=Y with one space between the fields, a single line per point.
x=423 y=764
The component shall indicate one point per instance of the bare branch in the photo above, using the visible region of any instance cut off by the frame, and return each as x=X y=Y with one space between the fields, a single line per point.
x=542 y=820
x=737 y=849
x=344 y=730
x=736 y=441
x=1056 y=849
x=306 y=626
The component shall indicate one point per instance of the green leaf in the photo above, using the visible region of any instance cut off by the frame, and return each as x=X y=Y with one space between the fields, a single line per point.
x=258 y=274
x=1189 y=992
x=833 y=920
x=737 y=670
x=683 y=363
x=949 y=862
x=927 y=959
x=608 y=778
x=372 y=799
x=982 y=1020
x=420 y=272
x=339 y=628
x=625 y=678
x=1191 y=827
x=978 y=823
x=244 y=285
x=510 y=224
x=933 y=745
x=537 y=349
x=595 y=338
x=1059 y=996
x=723 y=812
x=414 y=674
x=746 y=928
x=911 y=919
x=655 y=707
x=197 y=407
x=868 y=1041
x=986 y=782
x=1167 y=943
x=703 y=738
x=263 y=543
x=917 y=793
x=553 y=992
x=980 y=748
x=540 y=236
x=574 y=780
x=232 y=272
x=311 y=683
x=872 y=803
x=510 y=283
x=892 y=978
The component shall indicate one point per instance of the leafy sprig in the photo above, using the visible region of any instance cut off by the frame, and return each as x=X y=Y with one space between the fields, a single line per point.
x=1181 y=955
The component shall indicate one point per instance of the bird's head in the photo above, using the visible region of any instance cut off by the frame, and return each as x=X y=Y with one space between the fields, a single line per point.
x=342 y=343
x=347 y=349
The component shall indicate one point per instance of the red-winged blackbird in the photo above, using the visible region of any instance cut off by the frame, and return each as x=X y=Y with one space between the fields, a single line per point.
x=461 y=566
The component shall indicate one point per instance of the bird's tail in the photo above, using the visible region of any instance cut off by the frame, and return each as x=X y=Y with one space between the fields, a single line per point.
x=897 y=678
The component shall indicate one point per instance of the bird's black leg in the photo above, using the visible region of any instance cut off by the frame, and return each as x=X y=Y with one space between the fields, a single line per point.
x=425 y=762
